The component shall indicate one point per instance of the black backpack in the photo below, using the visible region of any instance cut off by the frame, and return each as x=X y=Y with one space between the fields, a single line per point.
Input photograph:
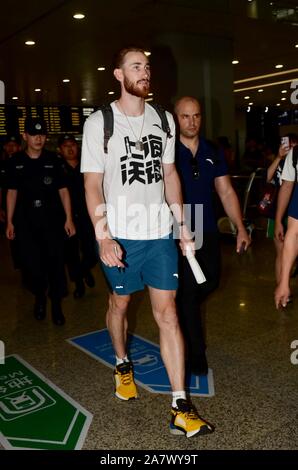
x=295 y=160
x=108 y=119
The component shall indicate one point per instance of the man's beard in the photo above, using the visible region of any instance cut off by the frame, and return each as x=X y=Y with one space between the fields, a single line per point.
x=130 y=87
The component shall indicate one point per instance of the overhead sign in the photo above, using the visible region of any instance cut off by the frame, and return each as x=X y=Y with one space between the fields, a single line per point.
x=35 y=414
x=149 y=370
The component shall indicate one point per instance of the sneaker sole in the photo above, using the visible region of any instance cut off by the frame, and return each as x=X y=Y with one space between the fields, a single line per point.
x=120 y=397
x=201 y=432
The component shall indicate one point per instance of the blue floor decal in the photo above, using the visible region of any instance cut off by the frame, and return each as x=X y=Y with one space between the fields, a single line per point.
x=149 y=370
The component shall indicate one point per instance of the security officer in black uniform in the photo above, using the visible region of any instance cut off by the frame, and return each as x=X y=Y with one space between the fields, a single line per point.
x=38 y=207
x=11 y=145
x=80 y=250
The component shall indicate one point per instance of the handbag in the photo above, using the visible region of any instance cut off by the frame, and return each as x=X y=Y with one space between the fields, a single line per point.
x=268 y=200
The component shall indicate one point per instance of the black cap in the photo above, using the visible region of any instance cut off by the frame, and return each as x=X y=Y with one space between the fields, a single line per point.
x=62 y=138
x=12 y=138
x=35 y=126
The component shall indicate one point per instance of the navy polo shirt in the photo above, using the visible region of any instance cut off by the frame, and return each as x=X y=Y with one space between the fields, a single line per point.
x=211 y=164
x=293 y=207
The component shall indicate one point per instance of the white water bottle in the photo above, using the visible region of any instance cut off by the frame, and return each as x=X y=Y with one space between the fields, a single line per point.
x=195 y=267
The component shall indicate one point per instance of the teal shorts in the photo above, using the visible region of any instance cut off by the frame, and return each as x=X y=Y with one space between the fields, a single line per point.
x=152 y=263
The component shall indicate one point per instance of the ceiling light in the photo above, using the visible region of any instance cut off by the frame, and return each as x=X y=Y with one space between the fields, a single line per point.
x=251 y=103
x=260 y=90
x=111 y=93
x=66 y=80
x=268 y=75
x=284 y=91
x=296 y=45
x=242 y=304
x=37 y=89
x=266 y=109
x=150 y=94
x=78 y=16
x=264 y=85
x=83 y=99
x=277 y=104
x=147 y=53
x=246 y=97
x=30 y=43
x=15 y=98
x=279 y=66
x=283 y=99
x=235 y=62
x=248 y=109
x=149 y=99
x=101 y=68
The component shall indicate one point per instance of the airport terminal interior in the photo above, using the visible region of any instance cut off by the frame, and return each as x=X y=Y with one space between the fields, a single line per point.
x=239 y=58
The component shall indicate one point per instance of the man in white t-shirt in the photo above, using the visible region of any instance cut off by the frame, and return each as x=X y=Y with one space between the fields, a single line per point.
x=128 y=191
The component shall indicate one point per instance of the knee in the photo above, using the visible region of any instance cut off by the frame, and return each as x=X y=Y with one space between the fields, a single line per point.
x=118 y=304
x=166 y=317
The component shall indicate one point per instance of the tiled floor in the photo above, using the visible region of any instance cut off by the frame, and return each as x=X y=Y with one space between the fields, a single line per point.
x=256 y=387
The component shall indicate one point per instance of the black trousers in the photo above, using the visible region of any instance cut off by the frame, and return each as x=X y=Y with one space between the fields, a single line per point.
x=191 y=295
x=80 y=250
x=41 y=258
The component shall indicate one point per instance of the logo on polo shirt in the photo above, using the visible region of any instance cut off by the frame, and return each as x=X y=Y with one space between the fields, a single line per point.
x=47 y=180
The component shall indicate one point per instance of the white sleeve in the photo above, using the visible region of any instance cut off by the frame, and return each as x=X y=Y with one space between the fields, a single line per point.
x=288 y=172
x=93 y=157
x=169 y=153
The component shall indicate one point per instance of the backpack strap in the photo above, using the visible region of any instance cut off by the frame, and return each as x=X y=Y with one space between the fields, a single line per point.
x=295 y=160
x=163 y=117
x=108 y=124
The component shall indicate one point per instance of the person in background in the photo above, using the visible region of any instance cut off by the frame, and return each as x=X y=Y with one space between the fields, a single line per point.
x=38 y=212
x=289 y=254
x=80 y=250
x=201 y=169
x=11 y=145
x=273 y=176
x=289 y=178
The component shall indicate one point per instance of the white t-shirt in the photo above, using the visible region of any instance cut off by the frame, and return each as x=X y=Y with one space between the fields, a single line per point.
x=133 y=179
x=288 y=172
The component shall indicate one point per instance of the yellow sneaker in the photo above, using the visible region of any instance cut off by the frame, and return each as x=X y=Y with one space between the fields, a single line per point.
x=185 y=420
x=125 y=387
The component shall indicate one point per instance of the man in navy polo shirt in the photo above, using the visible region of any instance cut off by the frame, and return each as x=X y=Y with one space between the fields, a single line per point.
x=289 y=253
x=202 y=169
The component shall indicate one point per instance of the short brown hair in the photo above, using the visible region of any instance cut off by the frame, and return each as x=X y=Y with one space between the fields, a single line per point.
x=120 y=55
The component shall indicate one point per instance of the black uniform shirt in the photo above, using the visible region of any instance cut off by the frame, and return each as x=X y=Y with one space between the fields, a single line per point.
x=75 y=184
x=37 y=181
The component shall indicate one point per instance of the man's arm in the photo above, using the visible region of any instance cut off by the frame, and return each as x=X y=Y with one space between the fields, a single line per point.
x=11 y=200
x=174 y=199
x=231 y=206
x=110 y=250
x=283 y=199
x=289 y=254
x=65 y=199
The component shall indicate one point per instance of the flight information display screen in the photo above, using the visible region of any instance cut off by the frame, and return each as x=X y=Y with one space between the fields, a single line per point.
x=59 y=119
